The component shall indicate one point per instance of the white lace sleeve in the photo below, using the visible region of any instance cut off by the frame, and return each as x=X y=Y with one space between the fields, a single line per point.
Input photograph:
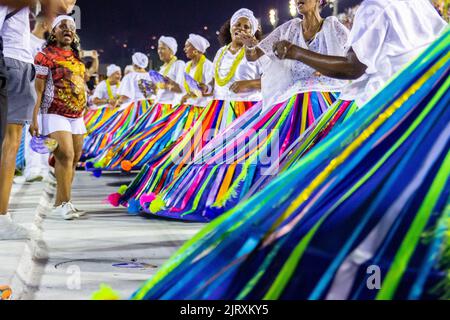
x=342 y=36
x=266 y=45
x=367 y=36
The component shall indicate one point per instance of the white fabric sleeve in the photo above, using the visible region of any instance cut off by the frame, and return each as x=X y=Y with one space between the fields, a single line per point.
x=127 y=87
x=208 y=72
x=178 y=74
x=266 y=45
x=368 y=35
x=101 y=92
x=179 y=70
x=341 y=34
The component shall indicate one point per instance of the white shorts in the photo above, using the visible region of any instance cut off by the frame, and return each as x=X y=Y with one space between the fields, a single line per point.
x=53 y=123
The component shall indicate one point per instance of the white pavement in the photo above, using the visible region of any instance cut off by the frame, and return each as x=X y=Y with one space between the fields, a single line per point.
x=73 y=258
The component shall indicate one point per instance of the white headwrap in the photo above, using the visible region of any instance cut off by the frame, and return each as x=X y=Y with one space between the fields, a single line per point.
x=111 y=69
x=170 y=42
x=60 y=19
x=140 y=59
x=199 y=43
x=246 y=13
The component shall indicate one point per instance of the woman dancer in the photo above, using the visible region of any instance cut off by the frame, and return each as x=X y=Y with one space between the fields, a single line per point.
x=107 y=90
x=131 y=103
x=61 y=100
x=295 y=97
x=152 y=142
x=160 y=126
x=236 y=89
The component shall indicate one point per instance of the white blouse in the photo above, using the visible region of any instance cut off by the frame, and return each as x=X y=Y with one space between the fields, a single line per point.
x=208 y=74
x=101 y=91
x=283 y=79
x=129 y=86
x=245 y=71
x=176 y=73
x=386 y=35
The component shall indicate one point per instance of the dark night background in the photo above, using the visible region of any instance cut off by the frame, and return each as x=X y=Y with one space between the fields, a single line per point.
x=118 y=28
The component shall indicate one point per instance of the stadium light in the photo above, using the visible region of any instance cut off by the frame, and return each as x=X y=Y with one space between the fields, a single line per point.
x=293 y=8
x=273 y=17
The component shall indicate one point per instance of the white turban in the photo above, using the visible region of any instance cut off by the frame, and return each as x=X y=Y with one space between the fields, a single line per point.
x=170 y=42
x=111 y=69
x=199 y=43
x=140 y=59
x=60 y=19
x=246 y=13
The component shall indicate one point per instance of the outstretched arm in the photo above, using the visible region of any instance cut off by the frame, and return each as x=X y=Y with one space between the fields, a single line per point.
x=348 y=68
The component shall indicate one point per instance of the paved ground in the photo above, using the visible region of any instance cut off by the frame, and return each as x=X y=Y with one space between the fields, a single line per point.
x=73 y=258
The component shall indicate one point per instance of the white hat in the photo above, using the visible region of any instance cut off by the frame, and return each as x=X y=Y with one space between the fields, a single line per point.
x=140 y=59
x=199 y=43
x=246 y=13
x=111 y=69
x=169 y=42
x=60 y=19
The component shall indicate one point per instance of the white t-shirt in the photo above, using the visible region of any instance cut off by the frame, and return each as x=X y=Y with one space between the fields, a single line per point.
x=36 y=44
x=129 y=86
x=176 y=73
x=16 y=36
x=284 y=78
x=101 y=91
x=208 y=74
x=386 y=35
x=245 y=71
x=3 y=13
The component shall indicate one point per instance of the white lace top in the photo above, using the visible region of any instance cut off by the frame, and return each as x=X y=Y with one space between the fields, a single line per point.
x=284 y=78
x=386 y=35
x=245 y=71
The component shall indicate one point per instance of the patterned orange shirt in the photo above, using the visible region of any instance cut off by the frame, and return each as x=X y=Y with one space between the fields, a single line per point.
x=65 y=91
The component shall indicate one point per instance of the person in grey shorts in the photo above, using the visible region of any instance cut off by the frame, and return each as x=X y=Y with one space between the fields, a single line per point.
x=21 y=93
x=3 y=96
x=21 y=96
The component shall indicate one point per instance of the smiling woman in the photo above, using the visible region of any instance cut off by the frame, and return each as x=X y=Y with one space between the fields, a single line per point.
x=61 y=100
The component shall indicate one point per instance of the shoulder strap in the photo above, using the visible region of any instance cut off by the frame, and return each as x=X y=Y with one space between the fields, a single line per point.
x=12 y=14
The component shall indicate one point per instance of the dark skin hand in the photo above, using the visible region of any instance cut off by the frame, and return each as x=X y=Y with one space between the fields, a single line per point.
x=346 y=68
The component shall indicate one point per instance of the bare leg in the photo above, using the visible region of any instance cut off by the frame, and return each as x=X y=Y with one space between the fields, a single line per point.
x=78 y=140
x=10 y=148
x=64 y=157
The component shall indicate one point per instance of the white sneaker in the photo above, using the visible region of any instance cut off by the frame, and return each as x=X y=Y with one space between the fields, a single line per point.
x=66 y=211
x=80 y=213
x=9 y=230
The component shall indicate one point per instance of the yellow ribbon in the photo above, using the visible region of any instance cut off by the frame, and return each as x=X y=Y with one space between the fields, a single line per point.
x=169 y=65
x=109 y=89
x=224 y=81
x=198 y=76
